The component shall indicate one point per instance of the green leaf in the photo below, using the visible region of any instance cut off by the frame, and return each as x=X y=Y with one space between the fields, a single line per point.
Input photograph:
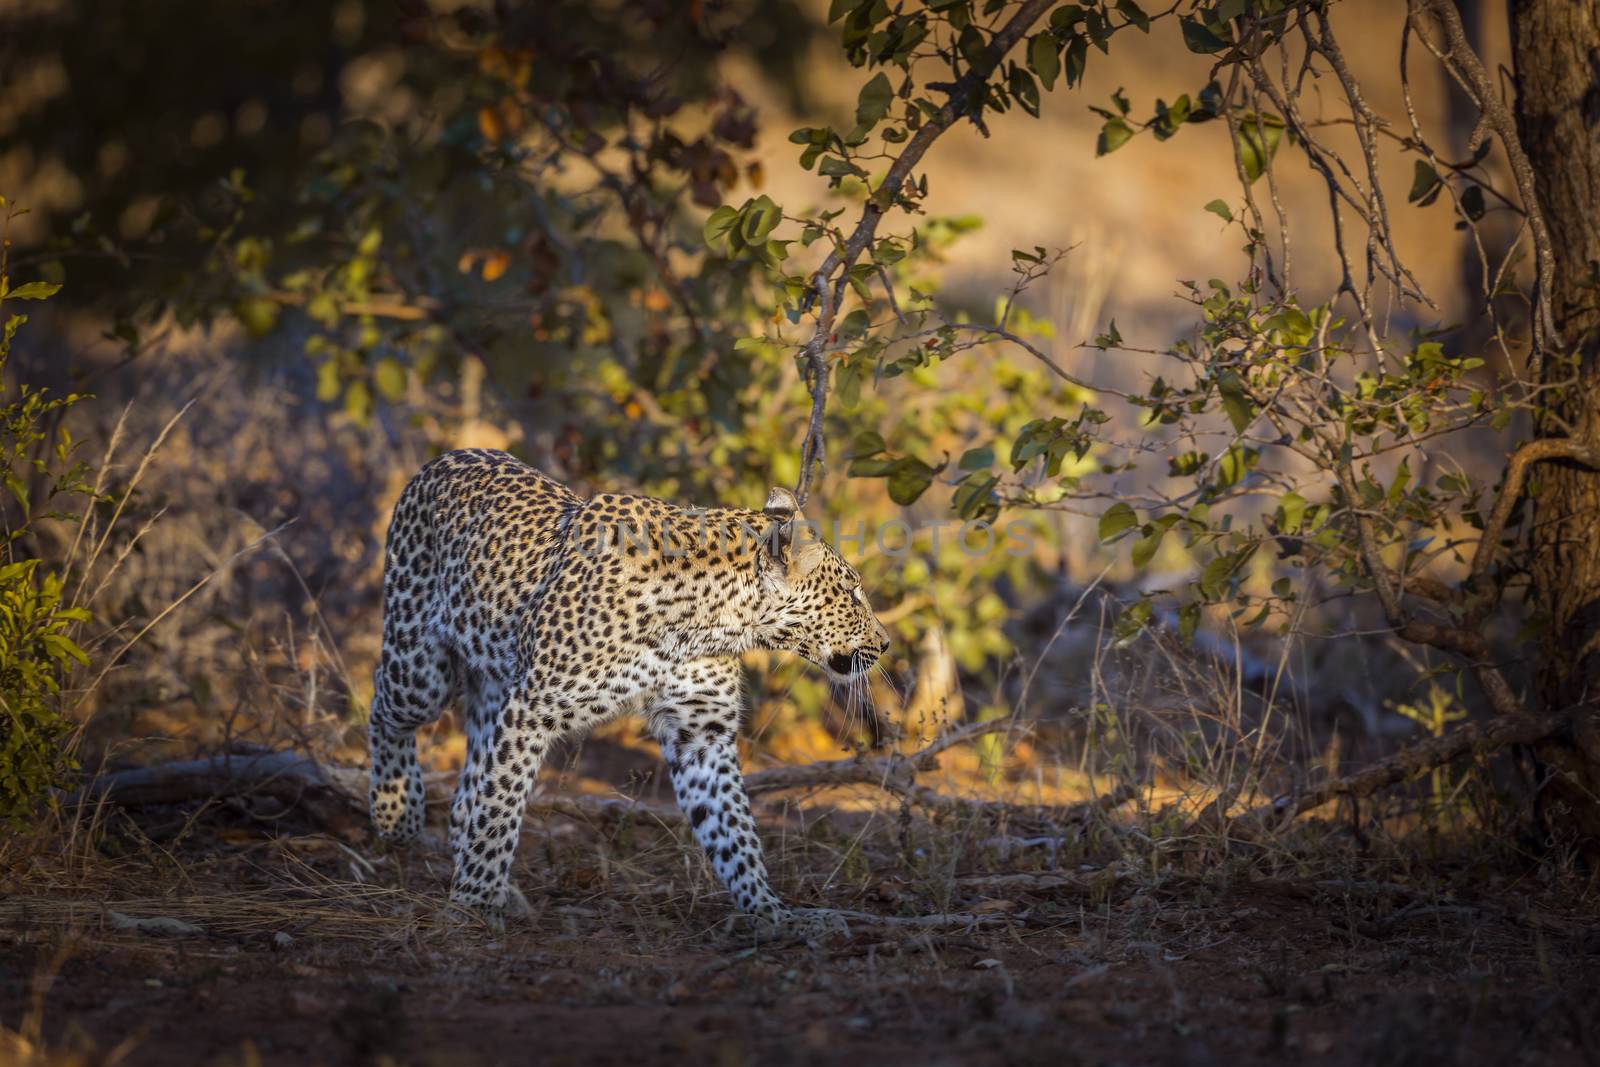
x=258 y=314
x=867 y=443
x=60 y=647
x=909 y=480
x=1402 y=479
x=759 y=218
x=358 y=402
x=834 y=167
x=1219 y=208
x=1214 y=579
x=323 y=308
x=872 y=466
x=840 y=8
x=1425 y=183
x=1044 y=59
x=977 y=459
x=1113 y=135
x=1200 y=37
x=1134 y=14
x=390 y=379
x=19 y=489
x=1024 y=90
x=1188 y=620
x=1075 y=59
x=1472 y=202
x=873 y=103
x=1234 y=465
x=1144 y=549
x=1111 y=338
x=1131 y=623
x=1116 y=519
x=34 y=291
x=975 y=498
x=1291 y=512
x=1065 y=17
x=1257 y=142
x=847 y=381
x=758 y=346
x=1240 y=411
x=854 y=325
x=1292 y=324
x=328 y=385
x=720 y=222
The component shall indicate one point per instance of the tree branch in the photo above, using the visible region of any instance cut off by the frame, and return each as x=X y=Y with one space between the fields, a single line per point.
x=1467 y=68
x=1542 y=450
x=896 y=775
x=334 y=797
x=421 y=310
x=829 y=280
x=1422 y=756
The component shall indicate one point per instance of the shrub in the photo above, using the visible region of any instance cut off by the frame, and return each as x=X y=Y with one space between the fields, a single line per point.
x=37 y=619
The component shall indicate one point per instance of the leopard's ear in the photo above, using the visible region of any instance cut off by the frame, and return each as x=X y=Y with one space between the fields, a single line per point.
x=782 y=511
x=782 y=505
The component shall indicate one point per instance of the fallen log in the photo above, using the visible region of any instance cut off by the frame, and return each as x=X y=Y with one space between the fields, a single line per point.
x=330 y=795
x=333 y=796
x=295 y=780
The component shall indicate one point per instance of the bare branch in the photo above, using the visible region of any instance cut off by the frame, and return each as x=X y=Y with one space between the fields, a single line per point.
x=1519 y=729
x=829 y=280
x=1543 y=450
x=1468 y=70
x=421 y=309
x=333 y=796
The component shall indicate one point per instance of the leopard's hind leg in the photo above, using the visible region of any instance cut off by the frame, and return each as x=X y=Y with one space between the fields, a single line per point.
x=416 y=680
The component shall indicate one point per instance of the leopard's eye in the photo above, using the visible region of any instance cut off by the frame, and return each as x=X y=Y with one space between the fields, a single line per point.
x=861 y=596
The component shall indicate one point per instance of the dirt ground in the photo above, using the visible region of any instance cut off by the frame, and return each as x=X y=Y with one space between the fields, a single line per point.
x=302 y=948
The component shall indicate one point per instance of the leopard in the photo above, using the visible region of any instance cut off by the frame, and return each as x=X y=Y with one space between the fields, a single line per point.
x=542 y=614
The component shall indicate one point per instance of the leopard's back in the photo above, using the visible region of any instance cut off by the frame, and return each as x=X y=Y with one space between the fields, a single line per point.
x=476 y=534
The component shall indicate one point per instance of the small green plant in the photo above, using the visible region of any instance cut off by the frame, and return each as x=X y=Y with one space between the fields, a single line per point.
x=1435 y=717
x=37 y=619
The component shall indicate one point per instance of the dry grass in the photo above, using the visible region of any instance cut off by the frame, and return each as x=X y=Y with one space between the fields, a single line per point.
x=1151 y=921
x=965 y=935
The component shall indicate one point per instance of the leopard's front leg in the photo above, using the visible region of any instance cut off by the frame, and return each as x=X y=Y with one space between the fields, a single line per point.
x=503 y=757
x=697 y=727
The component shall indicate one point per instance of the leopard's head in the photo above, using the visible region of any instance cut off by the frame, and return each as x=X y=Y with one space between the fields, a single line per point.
x=817 y=606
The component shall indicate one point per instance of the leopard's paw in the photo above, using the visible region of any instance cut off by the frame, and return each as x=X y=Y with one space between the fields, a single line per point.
x=816 y=925
x=494 y=912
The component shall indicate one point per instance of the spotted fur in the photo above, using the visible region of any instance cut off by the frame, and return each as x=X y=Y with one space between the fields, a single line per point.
x=546 y=614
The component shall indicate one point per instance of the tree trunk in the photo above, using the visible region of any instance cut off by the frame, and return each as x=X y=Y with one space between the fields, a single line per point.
x=1556 y=47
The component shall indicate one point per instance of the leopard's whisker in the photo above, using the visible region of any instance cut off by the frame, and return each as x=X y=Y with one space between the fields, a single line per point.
x=888 y=679
x=856 y=719
x=850 y=707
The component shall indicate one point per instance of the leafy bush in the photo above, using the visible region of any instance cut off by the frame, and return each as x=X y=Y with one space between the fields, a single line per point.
x=37 y=618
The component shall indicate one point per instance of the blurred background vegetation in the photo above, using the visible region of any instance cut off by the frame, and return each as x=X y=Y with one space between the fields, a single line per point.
x=342 y=238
